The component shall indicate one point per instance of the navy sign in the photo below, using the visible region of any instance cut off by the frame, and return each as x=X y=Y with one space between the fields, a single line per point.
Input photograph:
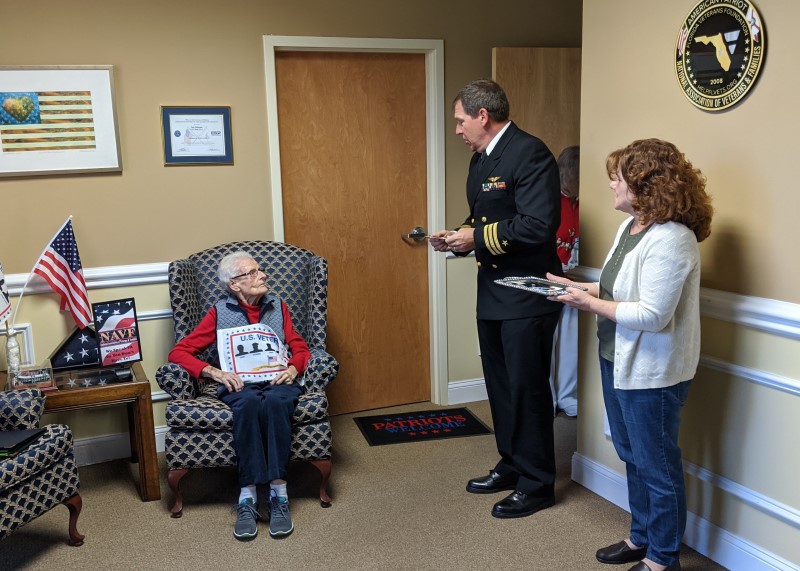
x=720 y=49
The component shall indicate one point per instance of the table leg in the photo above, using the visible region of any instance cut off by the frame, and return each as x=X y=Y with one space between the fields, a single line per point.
x=146 y=447
x=134 y=437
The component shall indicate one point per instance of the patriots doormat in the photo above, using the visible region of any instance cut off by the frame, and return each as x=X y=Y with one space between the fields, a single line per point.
x=420 y=425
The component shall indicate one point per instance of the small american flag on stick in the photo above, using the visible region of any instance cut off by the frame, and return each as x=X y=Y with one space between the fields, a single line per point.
x=60 y=266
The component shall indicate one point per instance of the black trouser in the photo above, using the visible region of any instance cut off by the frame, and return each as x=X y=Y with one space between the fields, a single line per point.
x=262 y=429
x=516 y=357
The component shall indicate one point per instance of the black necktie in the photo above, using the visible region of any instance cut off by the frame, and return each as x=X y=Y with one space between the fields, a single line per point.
x=481 y=160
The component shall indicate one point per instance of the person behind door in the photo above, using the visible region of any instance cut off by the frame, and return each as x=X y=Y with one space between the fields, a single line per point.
x=564 y=367
x=647 y=304
x=262 y=411
x=514 y=201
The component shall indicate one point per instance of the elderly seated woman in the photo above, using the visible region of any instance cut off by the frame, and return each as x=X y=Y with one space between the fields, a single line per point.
x=262 y=359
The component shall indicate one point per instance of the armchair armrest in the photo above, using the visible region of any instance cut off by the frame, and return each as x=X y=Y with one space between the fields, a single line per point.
x=21 y=409
x=176 y=381
x=48 y=449
x=322 y=368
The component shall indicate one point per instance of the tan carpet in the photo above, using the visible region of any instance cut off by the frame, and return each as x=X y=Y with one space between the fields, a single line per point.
x=395 y=507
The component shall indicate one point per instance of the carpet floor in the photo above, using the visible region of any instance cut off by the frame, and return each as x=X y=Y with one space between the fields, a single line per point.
x=397 y=507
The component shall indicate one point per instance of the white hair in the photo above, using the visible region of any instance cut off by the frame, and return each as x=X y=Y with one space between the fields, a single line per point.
x=229 y=266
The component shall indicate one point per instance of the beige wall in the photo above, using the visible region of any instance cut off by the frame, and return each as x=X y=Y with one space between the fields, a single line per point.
x=733 y=428
x=748 y=153
x=211 y=53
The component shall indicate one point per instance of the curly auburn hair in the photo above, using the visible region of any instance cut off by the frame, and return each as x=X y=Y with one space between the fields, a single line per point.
x=664 y=185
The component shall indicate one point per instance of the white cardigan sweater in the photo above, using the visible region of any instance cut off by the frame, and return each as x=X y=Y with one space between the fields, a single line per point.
x=657 y=342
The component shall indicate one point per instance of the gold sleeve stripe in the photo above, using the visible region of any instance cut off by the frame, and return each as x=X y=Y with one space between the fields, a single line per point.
x=491 y=244
x=490 y=238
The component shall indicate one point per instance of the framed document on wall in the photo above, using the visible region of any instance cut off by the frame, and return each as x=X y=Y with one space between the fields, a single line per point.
x=197 y=135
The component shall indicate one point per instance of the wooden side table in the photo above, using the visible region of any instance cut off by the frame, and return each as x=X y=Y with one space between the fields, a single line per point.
x=136 y=394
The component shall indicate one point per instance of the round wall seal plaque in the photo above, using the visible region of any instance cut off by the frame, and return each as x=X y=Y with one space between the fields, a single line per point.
x=720 y=48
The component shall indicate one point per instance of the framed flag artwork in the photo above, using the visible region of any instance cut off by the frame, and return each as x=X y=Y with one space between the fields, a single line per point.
x=117 y=332
x=57 y=119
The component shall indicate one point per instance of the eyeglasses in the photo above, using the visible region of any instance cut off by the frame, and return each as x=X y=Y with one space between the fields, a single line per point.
x=252 y=274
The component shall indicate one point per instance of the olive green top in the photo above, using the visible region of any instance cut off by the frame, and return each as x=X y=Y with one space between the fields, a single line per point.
x=607 y=328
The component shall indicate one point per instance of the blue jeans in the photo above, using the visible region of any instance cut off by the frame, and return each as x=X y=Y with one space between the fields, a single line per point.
x=644 y=428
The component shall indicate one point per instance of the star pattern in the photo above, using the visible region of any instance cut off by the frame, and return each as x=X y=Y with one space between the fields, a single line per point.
x=79 y=349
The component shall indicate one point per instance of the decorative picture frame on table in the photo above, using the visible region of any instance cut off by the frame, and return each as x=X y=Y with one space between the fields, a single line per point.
x=58 y=120
x=117 y=330
x=196 y=135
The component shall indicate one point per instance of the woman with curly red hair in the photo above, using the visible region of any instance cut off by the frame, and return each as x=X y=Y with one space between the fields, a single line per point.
x=647 y=304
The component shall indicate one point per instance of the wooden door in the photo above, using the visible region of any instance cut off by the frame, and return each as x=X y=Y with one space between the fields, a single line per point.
x=544 y=88
x=353 y=171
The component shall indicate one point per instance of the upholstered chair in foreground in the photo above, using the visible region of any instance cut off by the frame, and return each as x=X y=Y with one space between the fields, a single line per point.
x=199 y=424
x=43 y=474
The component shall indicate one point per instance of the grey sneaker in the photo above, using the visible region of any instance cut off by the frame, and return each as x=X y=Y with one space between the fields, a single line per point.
x=246 y=518
x=280 y=521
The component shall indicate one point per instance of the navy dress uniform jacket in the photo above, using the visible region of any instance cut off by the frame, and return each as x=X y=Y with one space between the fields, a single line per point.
x=515 y=208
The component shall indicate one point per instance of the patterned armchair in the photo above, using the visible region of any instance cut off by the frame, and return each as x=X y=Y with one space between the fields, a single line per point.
x=42 y=475
x=199 y=424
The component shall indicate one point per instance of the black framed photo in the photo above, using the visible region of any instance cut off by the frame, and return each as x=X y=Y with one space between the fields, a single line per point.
x=197 y=135
x=117 y=331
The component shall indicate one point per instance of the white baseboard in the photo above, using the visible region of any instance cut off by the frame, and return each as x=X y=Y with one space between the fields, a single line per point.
x=701 y=535
x=96 y=449
x=466 y=391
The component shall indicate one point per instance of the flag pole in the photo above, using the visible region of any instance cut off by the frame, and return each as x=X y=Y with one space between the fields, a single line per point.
x=30 y=274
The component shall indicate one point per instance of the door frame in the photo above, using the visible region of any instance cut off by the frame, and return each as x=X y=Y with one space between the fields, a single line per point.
x=435 y=118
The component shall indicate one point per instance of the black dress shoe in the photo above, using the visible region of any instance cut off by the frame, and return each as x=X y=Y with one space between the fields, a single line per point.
x=620 y=553
x=520 y=504
x=492 y=483
x=642 y=566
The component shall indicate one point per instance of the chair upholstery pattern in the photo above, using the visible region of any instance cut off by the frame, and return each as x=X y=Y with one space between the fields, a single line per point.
x=199 y=424
x=42 y=475
x=21 y=409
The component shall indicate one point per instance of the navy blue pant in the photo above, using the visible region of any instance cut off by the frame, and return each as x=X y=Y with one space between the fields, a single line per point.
x=262 y=429
x=516 y=357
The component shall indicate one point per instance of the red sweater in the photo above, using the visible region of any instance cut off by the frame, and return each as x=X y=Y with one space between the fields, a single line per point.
x=569 y=230
x=205 y=334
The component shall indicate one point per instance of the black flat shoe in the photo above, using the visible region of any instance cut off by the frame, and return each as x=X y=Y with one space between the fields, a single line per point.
x=492 y=483
x=520 y=504
x=642 y=566
x=620 y=553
